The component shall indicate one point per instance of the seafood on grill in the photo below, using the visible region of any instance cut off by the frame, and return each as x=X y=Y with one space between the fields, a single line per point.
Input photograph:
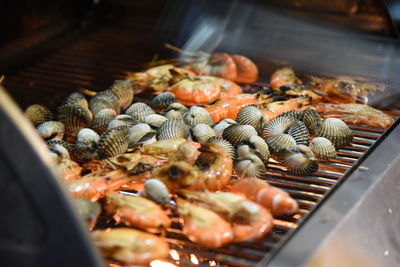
x=272 y=198
x=298 y=160
x=336 y=131
x=130 y=246
x=69 y=169
x=74 y=118
x=196 y=115
x=173 y=128
x=250 y=166
x=223 y=143
x=236 y=133
x=228 y=88
x=51 y=130
x=175 y=111
x=38 y=114
x=163 y=100
x=323 y=148
x=113 y=142
x=202 y=133
x=251 y=115
x=102 y=119
x=356 y=113
x=157 y=191
x=220 y=126
x=254 y=145
x=139 y=111
x=88 y=210
x=136 y=211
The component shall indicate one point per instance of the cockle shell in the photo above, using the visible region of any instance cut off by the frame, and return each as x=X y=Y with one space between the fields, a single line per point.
x=65 y=144
x=155 y=120
x=280 y=141
x=163 y=100
x=123 y=90
x=279 y=125
x=225 y=144
x=336 y=131
x=323 y=148
x=300 y=133
x=141 y=133
x=197 y=115
x=220 y=126
x=312 y=120
x=251 y=115
x=294 y=113
x=202 y=132
x=59 y=152
x=122 y=120
x=174 y=111
x=172 y=128
x=139 y=111
x=87 y=135
x=51 y=130
x=236 y=133
x=84 y=151
x=104 y=99
x=298 y=160
x=254 y=145
x=76 y=99
x=250 y=166
x=102 y=119
x=113 y=142
x=38 y=114
x=157 y=191
x=74 y=118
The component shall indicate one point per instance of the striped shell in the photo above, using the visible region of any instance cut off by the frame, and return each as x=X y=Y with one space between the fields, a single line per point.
x=323 y=148
x=51 y=130
x=202 y=132
x=65 y=144
x=59 y=152
x=300 y=133
x=157 y=191
x=251 y=115
x=155 y=120
x=254 y=145
x=141 y=133
x=38 y=114
x=336 y=131
x=250 y=167
x=87 y=135
x=104 y=99
x=122 y=120
x=280 y=141
x=163 y=100
x=294 y=113
x=102 y=119
x=236 y=133
x=279 y=125
x=172 y=128
x=123 y=90
x=174 y=111
x=298 y=160
x=74 y=118
x=220 y=126
x=139 y=111
x=225 y=144
x=113 y=142
x=197 y=115
x=84 y=151
x=312 y=120
x=76 y=99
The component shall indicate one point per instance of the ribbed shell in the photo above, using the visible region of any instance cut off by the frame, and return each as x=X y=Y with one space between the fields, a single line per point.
x=163 y=100
x=173 y=128
x=225 y=144
x=104 y=99
x=280 y=141
x=295 y=113
x=84 y=151
x=220 y=126
x=102 y=119
x=68 y=146
x=51 y=130
x=174 y=111
x=122 y=120
x=140 y=133
x=251 y=115
x=113 y=142
x=76 y=99
x=312 y=120
x=279 y=125
x=123 y=90
x=250 y=167
x=74 y=118
x=236 y=133
x=202 y=132
x=155 y=120
x=157 y=191
x=323 y=148
x=300 y=133
x=299 y=160
x=139 y=111
x=38 y=114
x=87 y=135
x=197 y=115
x=336 y=131
x=257 y=146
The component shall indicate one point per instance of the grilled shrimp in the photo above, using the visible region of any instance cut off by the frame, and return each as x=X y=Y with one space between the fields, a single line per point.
x=93 y=187
x=356 y=113
x=249 y=219
x=174 y=149
x=228 y=88
x=274 y=199
x=130 y=246
x=204 y=226
x=136 y=211
x=282 y=77
x=275 y=108
x=247 y=71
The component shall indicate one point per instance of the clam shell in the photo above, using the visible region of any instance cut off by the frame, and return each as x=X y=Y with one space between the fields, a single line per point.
x=65 y=144
x=76 y=99
x=102 y=119
x=173 y=128
x=122 y=120
x=38 y=114
x=279 y=125
x=84 y=151
x=155 y=120
x=87 y=135
x=157 y=191
x=225 y=144
x=113 y=142
x=312 y=120
x=254 y=145
x=59 y=151
x=51 y=130
x=295 y=113
x=251 y=115
x=139 y=111
x=104 y=99
x=123 y=90
x=250 y=167
x=202 y=132
x=197 y=115
x=74 y=118
x=220 y=126
x=236 y=133
x=323 y=148
x=280 y=141
x=163 y=100
x=300 y=133
x=174 y=111
x=298 y=160
x=141 y=133
x=336 y=131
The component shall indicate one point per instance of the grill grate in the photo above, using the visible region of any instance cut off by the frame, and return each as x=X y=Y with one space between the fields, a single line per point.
x=105 y=54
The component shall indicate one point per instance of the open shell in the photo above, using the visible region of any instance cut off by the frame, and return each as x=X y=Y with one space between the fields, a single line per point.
x=173 y=128
x=141 y=133
x=197 y=115
x=113 y=142
x=251 y=115
x=225 y=144
x=300 y=133
x=38 y=114
x=102 y=119
x=236 y=133
x=323 y=148
x=279 y=125
x=250 y=167
x=139 y=111
x=336 y=131
x=298 y=160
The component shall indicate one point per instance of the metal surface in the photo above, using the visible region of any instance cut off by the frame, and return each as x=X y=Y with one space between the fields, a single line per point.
x=38 y=224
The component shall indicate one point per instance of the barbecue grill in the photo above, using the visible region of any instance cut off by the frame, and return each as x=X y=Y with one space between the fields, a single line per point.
x=348 y=213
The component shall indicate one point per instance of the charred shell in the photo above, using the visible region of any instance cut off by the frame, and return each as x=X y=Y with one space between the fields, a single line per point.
x=312 y=120
x=236 y=133
x=123 y=90
x=51 y=130
x=250 y=166
x=102 y=119
x=38 y=114
x=113 y=142
x=251 y=115
x=323 y=148
x=298 y=160
x=300 y=133
x=202 y=132
x=163 y=100
x=279 y=125
x=74 y=118
x=336 y=131
x=197 y=115
x=220 y=126
x=139 y=111
x=225 y=144
x=280 y=141
x=173 y=128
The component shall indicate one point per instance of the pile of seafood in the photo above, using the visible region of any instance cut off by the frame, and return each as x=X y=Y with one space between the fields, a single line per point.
x=199 y=150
